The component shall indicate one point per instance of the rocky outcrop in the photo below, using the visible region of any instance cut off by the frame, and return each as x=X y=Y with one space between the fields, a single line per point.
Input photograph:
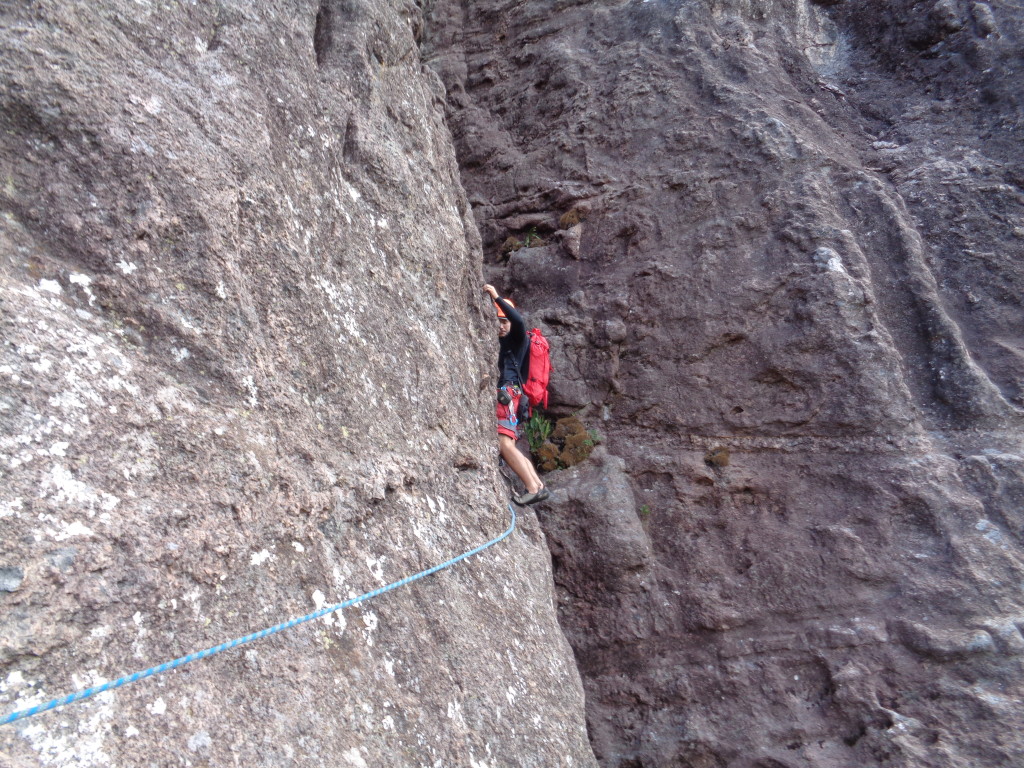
x=244 y=374
x=776 y=247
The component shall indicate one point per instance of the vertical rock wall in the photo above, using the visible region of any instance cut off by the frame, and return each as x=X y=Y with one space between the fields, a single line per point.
x=778 y=249
x=243 y=374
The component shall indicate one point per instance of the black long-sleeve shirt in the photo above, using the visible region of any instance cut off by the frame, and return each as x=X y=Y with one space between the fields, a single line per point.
x=512 y=347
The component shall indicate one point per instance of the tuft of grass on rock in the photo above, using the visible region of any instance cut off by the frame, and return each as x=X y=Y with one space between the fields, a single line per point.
x=511 y=245
x=566 y=443
x=570 y=218
x=717 y=457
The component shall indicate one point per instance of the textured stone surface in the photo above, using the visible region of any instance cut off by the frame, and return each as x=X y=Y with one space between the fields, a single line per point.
x=243 y=373
x=782 y=274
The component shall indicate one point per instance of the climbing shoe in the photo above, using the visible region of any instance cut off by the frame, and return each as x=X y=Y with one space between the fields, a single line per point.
x=532 y=498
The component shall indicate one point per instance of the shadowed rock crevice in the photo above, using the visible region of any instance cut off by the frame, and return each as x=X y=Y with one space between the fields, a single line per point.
x=323 y=38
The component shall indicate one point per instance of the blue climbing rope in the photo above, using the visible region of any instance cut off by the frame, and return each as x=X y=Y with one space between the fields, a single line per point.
x=168 y=666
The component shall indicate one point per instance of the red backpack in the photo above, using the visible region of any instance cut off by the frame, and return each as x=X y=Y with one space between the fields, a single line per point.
x=537 y=370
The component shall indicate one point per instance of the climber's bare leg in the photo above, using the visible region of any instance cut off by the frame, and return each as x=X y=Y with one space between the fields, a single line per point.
x=521 y=465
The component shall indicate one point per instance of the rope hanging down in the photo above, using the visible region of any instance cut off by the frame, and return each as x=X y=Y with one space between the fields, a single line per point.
x=168 y=666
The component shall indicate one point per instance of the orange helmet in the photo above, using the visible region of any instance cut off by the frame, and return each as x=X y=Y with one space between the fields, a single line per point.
x=501 y=314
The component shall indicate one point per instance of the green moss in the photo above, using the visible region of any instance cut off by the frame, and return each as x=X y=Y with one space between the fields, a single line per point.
x=717 y=457
x=570 y=219
x=548 y=457
x=565 y=443
x=510 y=245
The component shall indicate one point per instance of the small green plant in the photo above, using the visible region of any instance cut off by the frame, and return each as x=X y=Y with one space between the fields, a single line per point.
x=532 y=238
x=645 y=512
x=593 y=438
x=538 y=430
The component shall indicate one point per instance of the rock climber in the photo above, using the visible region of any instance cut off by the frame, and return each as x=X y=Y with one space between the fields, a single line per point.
x=513 y=346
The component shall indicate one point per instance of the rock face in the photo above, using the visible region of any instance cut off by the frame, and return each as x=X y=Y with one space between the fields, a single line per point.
x=777 y=247
x=243 y=374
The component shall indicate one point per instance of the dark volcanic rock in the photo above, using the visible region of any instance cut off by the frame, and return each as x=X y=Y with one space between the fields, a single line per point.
x=801 y=251
x=244 y=373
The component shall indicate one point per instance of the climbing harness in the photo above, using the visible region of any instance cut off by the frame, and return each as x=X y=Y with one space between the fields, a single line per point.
x=168 y=666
